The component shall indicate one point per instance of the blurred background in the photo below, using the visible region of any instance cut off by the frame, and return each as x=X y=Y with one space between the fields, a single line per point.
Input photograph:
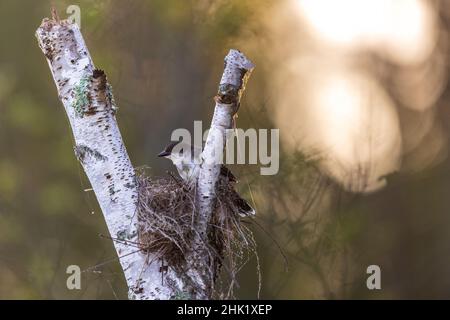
x=358 y=88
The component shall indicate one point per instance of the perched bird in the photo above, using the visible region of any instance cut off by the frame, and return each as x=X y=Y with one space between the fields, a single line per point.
x=187 y=159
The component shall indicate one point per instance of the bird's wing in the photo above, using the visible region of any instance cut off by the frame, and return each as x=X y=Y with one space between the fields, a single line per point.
x=243 y=207
x=224 y=171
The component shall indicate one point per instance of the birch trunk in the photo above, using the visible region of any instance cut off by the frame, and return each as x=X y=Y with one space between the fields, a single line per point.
x=232 y=84
x=90 y=107
x=89 y=104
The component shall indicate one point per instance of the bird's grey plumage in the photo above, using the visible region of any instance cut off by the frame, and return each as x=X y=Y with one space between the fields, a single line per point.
x=187 y=159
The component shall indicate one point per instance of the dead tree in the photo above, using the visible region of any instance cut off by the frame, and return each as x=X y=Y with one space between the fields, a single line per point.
x=89 y=103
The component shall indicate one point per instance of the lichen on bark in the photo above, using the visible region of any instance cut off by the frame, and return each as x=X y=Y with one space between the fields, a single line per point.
x=82 y=95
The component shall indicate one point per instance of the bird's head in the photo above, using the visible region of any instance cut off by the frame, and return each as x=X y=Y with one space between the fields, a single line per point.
x=177 y=151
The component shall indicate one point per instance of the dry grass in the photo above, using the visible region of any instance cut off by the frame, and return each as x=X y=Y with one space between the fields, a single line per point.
x=167 y=215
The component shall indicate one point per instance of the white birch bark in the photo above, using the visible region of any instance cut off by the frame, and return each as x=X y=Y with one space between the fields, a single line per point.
x=90 y=107
x=232 y=84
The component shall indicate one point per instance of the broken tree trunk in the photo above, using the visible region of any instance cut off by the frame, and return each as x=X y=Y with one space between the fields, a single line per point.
x=232 y=84
x=89 y=104
x=235 y=75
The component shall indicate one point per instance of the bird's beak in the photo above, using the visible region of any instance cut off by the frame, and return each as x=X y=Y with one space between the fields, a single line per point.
x=163 y=154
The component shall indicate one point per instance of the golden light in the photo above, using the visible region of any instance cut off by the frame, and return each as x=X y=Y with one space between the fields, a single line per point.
x=347 y=121
x=335 y=98
x=403 y=30
x=358 y=129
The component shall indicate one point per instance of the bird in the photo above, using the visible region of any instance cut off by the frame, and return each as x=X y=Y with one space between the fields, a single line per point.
x=187 y=160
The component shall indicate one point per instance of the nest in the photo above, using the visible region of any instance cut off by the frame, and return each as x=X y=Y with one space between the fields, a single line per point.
x=166 y=215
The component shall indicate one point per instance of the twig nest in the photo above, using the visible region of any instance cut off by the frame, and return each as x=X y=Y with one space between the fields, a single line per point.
x=167 y=215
